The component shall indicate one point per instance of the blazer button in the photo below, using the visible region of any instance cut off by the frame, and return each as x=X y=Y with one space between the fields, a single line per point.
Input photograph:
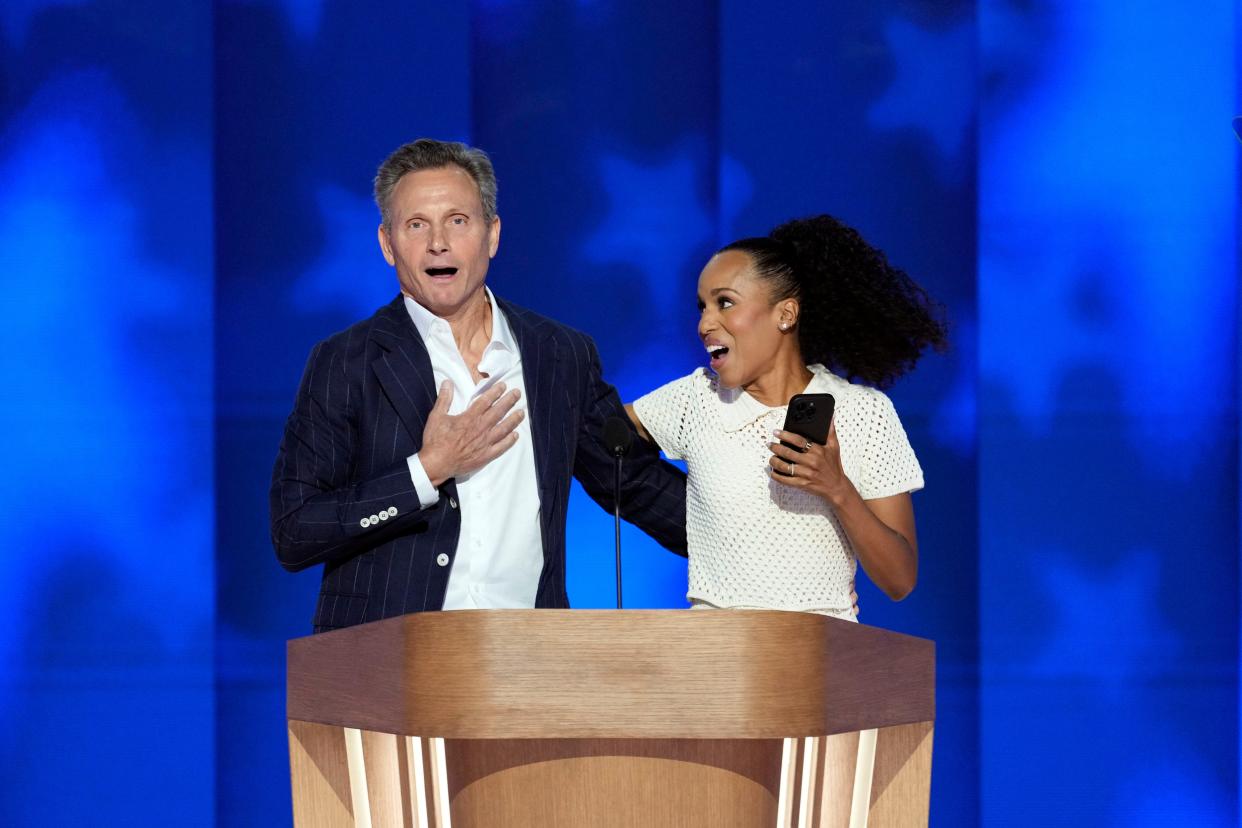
x=383 y=515
x=442 y=559
x=364 y=523
x=452 y=502
x=374 y=519
x=392 y=511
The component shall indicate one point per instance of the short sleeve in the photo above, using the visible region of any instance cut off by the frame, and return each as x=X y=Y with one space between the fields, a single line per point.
x=666 y=414
x=888 y=465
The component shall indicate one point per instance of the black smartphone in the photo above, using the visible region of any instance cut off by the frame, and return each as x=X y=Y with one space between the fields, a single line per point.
x=810 y=415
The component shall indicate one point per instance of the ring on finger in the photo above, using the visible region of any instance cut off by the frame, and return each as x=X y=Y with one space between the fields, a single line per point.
x=807 y=447
x=791 y=467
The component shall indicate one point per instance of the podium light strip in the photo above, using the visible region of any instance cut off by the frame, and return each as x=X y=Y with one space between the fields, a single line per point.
x=357 y=778
x=809 y=793
x=417 y=780
x=784 y=802
x=439 y=783
x=864 y=768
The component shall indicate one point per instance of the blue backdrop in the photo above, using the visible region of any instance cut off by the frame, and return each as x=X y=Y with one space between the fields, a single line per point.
x=185 y=210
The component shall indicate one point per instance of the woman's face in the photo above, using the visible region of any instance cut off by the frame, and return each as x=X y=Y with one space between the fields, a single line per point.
x=738 y=322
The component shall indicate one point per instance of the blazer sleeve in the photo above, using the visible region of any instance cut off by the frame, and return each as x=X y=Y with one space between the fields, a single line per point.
x=318 y=514
x=653 y=492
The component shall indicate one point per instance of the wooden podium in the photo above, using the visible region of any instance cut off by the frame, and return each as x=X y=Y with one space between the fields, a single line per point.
x=551 y=718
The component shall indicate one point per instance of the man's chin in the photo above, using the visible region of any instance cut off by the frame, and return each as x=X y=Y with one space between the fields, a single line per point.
x=445 y=297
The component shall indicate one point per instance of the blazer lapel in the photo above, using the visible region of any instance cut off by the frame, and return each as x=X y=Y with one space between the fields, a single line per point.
x=540 y=373
x=404 y=368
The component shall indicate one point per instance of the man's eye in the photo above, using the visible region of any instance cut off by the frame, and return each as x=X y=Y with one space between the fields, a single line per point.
x=459 y=220
x=416 y=225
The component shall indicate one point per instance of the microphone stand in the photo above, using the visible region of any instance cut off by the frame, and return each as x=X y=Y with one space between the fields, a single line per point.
x=617 y=438
x=616 y=515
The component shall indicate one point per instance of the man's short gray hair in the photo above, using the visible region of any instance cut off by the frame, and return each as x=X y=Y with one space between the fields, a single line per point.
x=429 y=154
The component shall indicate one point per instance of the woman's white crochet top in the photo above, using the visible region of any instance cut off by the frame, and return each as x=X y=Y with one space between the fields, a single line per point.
x=754 y=542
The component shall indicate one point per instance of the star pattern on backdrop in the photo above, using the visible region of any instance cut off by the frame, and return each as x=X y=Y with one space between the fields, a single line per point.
x=654 y=223
x=933 y=89
x=350 y=277
x=1083 y=263
x=16 y=15
x=304 y=16
x=1104 y=621
x=70 y=226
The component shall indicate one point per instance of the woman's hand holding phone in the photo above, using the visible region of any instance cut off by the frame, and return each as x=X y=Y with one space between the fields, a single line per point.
x=812 y=467
x=807 y=455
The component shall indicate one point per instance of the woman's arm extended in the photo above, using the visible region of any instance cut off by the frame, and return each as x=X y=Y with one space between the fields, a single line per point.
x=638 y=424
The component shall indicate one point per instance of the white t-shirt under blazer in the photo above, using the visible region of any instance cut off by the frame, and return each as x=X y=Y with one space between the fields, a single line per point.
x=756 y=543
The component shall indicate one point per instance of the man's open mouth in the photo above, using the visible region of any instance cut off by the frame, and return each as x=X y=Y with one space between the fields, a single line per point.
x=441 y=271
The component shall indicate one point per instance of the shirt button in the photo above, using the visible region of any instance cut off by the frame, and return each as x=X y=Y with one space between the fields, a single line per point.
x=442 y=559
x=364 y=523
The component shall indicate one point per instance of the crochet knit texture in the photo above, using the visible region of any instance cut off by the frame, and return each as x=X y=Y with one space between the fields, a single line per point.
x=754 y=542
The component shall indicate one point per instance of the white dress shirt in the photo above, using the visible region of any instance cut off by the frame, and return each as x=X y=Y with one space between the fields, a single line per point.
x=500 y=549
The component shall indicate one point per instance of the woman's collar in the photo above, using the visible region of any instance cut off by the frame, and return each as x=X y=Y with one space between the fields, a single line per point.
x=739 y=409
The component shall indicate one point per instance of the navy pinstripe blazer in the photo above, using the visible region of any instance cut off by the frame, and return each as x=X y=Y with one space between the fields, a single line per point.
x=359 y=414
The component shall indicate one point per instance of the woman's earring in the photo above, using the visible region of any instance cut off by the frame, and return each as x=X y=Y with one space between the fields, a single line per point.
x=784 y=326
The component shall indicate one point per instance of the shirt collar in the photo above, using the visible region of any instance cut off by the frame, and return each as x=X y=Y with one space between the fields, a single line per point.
x=501 y=350
x=739 y=409
x=428 y=323
x=423 y=319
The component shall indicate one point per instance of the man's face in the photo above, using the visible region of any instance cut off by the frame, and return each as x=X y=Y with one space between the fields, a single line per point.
x=439 y=242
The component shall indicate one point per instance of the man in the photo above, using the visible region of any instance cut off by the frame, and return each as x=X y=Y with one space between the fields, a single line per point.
x=427 y=461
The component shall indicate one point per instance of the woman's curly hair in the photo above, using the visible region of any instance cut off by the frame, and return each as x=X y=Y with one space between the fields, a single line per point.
x=860 y=316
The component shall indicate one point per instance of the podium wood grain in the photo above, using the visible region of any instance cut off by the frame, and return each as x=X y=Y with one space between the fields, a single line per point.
x=573 y=717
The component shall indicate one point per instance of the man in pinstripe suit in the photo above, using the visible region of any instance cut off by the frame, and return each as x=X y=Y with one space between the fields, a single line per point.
x=428 y=458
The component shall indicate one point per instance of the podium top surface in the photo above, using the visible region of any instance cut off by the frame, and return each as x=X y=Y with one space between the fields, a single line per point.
x=711 y=674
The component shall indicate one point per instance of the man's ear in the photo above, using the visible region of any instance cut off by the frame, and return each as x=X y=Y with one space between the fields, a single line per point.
x=495 y=240
x=385 y=243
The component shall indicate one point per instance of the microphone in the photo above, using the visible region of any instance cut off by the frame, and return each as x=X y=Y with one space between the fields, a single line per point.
x=618 y=437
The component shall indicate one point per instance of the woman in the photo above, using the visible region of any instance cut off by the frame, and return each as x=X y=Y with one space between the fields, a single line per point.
x=806 y=309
